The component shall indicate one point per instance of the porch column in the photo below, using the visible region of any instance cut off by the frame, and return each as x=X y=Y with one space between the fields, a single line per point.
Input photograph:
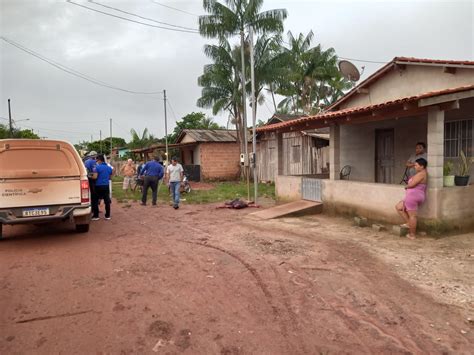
x=279 y=144
x=435 y=147
x=334 y=152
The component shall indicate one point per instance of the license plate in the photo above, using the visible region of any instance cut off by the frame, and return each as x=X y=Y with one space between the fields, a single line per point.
x=35 y=212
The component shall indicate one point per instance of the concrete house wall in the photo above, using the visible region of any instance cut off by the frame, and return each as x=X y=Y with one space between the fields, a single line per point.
x=411 y=81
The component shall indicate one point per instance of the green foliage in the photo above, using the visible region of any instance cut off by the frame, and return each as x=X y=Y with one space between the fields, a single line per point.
x=142 y=141
x=448 y=168
x=194 y=120
x=96 y=145
x=17 y=133
x=221 y=192
x=221 y=80
x=464 y=164
x=309 y=76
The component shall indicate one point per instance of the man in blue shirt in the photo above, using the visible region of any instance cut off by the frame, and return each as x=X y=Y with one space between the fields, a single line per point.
x=90 y=165
x=153 y=172
x=102 y=174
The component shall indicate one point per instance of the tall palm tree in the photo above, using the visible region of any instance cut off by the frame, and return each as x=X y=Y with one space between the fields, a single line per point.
x=220 y=83
x=312 y=78
x=234 y=18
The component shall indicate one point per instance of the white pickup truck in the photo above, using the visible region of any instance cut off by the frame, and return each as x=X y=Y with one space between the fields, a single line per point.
x=42 y=181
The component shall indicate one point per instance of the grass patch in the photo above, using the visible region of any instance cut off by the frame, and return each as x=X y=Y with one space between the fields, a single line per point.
x=222 y=191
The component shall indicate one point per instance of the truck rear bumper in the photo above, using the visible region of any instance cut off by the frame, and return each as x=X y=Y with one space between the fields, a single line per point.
x=57 y=213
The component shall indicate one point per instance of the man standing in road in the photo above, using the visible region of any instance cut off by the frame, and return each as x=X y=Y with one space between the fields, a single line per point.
x=153 y=173
x=128 y=171
x=102 y=175
x=174 y=176
x=90 y=164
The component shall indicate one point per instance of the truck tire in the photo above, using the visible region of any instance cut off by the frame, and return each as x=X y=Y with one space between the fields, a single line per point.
x=1 y=228
x=82 y=228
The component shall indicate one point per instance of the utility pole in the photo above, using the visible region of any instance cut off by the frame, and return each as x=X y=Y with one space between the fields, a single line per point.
x=110 y=139
x=244 y=111
x=166 y=129
x=254 y=117
x=10 y=119
x=100 y=141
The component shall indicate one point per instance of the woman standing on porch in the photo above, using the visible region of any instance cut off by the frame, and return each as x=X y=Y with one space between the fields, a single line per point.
x=414 y=197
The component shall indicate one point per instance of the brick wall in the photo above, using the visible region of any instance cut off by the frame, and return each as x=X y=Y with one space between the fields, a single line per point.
x=220 y=161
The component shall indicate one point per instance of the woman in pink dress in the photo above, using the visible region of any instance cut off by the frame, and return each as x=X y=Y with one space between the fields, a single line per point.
x=414 y=197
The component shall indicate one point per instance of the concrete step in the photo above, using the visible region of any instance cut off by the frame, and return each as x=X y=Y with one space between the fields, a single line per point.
x=298 y=207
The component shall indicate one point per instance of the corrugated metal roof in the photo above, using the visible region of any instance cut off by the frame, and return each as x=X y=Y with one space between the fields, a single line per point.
x=327 y=117
x=210 y=135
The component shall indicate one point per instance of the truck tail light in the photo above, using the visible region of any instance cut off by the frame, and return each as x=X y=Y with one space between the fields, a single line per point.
x=84 y=191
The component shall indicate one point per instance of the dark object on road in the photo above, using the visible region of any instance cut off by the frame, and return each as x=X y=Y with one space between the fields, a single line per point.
x=238 y=204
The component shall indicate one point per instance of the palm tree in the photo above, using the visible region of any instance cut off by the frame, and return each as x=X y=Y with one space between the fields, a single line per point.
x=220 y=83
x=141 y=141
x=311 y=79
x=234 y=19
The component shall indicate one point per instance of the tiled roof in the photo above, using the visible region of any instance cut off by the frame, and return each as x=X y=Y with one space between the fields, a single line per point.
x=363 y=109
x=399 y=60
x=433 y=61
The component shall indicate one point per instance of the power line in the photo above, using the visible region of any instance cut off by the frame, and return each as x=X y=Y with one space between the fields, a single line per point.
x=174 y=8
x=130 y=20
x=144 y=18
x=172 y=111
x=74 y=72
x=363 y=60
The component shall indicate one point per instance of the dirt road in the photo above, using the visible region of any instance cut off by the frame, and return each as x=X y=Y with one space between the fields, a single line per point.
x=202 y=280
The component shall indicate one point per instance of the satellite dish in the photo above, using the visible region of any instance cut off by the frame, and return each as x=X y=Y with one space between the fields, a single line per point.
x=349 y=70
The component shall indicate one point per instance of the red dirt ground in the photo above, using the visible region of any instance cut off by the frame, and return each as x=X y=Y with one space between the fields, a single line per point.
x=202 y=280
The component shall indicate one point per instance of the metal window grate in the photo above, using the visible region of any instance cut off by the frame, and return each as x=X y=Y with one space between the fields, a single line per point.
x=458 y=135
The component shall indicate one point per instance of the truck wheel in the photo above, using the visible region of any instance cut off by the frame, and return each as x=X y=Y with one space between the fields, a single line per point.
x=82 y=228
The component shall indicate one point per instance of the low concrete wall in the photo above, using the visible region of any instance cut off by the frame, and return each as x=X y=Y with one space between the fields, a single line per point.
x=288 y=188
x=444 y=209
x=456 y=206
x=375 y=201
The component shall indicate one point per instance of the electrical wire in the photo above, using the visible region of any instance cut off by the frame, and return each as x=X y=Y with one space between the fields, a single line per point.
x=172 y=111
x=174 y=8
x=130 y=20
x=74 y=72
x=142 y=17
x=363 y=60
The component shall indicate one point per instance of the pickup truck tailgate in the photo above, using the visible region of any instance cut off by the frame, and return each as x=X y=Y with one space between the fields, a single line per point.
x=39 y=192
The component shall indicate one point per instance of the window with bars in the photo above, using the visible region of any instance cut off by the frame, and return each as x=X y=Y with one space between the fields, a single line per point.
x=458 y=135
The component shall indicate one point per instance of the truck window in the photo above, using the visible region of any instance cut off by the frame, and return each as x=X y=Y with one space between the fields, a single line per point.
x=31 y=163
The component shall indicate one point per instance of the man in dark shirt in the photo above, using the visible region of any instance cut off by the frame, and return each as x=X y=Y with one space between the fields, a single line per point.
x=153 y=172
x=102 y=174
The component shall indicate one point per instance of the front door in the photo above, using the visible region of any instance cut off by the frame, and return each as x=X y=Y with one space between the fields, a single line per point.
x=384 y=155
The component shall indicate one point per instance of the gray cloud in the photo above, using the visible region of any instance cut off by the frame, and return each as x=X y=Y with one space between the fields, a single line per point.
x=140 y=58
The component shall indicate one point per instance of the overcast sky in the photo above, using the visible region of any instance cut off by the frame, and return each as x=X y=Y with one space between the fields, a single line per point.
x=147 y=59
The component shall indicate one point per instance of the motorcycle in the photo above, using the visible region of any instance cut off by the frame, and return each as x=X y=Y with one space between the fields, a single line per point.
x=185 y=186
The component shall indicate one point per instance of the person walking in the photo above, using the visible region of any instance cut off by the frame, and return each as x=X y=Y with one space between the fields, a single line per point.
x=174 y=176
x=152 y=173
x=128 y=171
x=102 y=174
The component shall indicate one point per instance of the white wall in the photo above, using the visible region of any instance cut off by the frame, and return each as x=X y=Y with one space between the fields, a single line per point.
x=357 y=146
